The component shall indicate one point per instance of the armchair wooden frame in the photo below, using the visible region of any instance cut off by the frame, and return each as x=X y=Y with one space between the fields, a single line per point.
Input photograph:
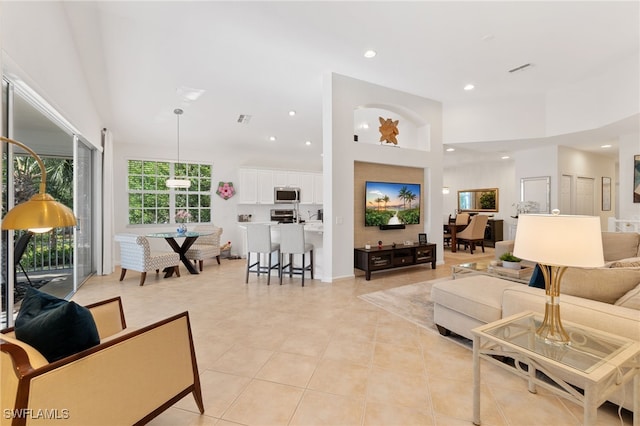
x=129 y=378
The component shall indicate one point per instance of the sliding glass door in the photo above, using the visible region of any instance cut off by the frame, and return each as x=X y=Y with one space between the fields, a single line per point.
x=59 y=261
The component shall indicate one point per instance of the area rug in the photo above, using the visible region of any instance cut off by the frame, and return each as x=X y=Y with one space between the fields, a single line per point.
x=411 y=302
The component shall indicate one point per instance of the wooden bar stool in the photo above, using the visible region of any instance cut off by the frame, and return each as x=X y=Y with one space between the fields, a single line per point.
x=291 y=243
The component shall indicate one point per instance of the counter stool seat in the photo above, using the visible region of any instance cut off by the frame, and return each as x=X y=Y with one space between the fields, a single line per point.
x=292 y=242
x=259 y=242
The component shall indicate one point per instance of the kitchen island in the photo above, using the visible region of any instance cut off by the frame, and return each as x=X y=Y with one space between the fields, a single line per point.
x=313 y=233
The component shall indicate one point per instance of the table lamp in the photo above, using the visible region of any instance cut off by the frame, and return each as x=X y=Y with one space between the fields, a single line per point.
x=556 y=242
x=41 y=213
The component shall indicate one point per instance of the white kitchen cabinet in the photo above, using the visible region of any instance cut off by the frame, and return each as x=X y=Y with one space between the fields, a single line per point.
x=265 y=186
x=286 y=178
x=248 y=186
x=306 y=188
x=318 y=189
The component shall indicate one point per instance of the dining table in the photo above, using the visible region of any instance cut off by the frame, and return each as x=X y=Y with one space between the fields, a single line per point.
x=453 y=230
x=190 y=237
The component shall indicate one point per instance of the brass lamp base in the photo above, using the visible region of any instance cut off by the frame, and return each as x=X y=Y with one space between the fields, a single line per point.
x=551 y=330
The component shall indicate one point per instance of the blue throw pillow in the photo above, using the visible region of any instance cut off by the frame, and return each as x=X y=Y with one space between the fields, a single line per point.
x=55 y=327
x=537 y=279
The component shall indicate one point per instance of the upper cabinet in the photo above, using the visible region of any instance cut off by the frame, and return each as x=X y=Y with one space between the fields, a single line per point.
x=256 y=185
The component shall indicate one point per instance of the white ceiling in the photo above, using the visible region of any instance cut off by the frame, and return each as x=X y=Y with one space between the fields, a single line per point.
x=266 y=58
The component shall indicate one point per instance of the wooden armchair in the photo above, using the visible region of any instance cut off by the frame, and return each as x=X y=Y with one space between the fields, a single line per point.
x=129 y=378
x=205 y=247
x=474 y=233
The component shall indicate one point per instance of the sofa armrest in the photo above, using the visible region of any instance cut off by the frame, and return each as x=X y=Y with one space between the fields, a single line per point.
x=127 y=380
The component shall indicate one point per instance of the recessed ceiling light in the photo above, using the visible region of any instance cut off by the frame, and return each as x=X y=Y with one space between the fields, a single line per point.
x=370 y=53
x=292 y=113
x=272 y=138
x=450 y=149
x=469 y=87
x=605 y=146
x=505 y=157
x=307 y=143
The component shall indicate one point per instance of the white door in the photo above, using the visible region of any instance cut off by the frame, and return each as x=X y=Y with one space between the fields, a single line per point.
x=585 y=196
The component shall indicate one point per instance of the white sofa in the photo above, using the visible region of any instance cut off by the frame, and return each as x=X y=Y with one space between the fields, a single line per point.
x=605 y=298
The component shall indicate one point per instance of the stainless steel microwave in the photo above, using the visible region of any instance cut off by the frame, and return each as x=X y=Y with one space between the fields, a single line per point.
x=286 y=195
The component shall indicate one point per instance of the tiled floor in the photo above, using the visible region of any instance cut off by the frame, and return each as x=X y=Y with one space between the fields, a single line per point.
x=319 y=355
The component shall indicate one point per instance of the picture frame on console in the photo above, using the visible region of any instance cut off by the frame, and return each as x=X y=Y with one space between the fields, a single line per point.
x=422 y=239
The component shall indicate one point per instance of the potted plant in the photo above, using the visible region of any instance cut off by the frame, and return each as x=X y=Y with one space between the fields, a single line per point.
x=510 y=261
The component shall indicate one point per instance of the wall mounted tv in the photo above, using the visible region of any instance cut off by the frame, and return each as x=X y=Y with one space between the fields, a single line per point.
x=391 y=205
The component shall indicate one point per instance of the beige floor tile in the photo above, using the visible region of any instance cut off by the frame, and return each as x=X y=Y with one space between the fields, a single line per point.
x=381 y=414
x=219 y=390
x=289 y=369
x=454 y=398
x=340 y=378
x=242 y=361
x=403 y=359
x=310 y=344
x=265 y=403
x=317 y=408
x=350 y=350
x=394 y=388
x=365 y=371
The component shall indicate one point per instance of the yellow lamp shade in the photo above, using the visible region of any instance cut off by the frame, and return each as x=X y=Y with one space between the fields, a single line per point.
x=41 y=212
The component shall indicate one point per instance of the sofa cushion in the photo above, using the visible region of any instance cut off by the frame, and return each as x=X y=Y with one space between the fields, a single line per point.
x=602 y=284
x=620 y=245
x=55 y=327
x=478 y=296
x=631 y=299
x=631 y=262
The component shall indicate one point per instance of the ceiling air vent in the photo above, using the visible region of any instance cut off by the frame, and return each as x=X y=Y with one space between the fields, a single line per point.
x=244 y=118
x=520 y=68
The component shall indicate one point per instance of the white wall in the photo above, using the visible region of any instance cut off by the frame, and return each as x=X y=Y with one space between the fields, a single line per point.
x=342 y=95
x=38 y=48
x=497 y=174
x=629 y=146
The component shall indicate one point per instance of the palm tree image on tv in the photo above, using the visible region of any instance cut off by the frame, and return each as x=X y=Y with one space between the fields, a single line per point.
x=390 y=203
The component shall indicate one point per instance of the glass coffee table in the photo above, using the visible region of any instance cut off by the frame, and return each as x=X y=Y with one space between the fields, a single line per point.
x=486 y=268
x=595 y=361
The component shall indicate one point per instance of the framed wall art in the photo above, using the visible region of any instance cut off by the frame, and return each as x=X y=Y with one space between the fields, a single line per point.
x=606 y=194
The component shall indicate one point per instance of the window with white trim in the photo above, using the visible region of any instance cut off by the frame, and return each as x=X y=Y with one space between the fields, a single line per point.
x=151 y=202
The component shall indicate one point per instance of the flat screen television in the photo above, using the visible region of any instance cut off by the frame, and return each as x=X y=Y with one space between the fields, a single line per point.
x=391 y=203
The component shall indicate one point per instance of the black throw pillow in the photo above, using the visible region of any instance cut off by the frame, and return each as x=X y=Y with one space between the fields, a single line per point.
x=537 y=279
x=55 y=327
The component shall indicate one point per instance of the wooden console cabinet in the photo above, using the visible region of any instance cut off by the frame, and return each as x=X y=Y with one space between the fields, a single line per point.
x=493 y=232
x=388 y=257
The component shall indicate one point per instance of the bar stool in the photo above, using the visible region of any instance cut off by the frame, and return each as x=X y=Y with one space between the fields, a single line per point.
x=292 y=242
x=259 y=242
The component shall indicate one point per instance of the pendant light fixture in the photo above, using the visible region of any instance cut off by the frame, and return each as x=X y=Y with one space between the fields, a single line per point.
x=178 y=183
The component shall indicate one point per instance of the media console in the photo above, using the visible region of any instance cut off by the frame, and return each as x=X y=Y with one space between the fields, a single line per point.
x=388 y=257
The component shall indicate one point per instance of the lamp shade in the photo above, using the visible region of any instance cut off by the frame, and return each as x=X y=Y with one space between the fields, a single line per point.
x=560 y=240
x=178 y=183
x=41 y=212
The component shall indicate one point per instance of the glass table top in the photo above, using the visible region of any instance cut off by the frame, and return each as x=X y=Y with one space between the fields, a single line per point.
x=486 y=268
x=588 y=348
x=178 y=234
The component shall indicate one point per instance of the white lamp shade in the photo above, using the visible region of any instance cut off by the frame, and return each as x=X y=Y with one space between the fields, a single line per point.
x=178 y=183
x=560 y=240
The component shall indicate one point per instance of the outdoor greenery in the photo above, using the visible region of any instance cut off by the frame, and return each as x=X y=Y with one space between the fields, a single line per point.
x=151 y=202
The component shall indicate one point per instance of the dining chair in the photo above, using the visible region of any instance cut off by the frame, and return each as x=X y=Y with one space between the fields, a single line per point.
x=206 y=246
x=474 y=233
x=135 y=254
x=291 y=243
x=459 y=222
x=259 y=242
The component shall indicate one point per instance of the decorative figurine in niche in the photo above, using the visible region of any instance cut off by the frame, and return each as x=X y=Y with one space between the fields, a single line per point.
x=380 y=244
x=393 y=245
x=388 y=130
